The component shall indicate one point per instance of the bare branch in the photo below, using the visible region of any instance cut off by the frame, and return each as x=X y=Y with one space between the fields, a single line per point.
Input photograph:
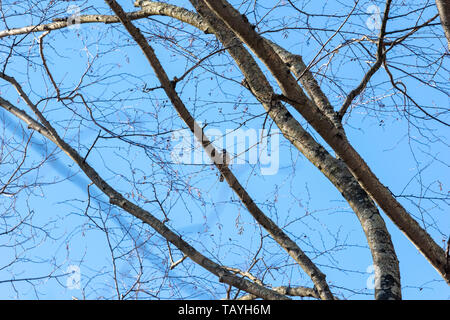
x=381 y=55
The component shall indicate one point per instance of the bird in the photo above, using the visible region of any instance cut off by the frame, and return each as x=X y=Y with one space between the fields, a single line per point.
x=225 y=161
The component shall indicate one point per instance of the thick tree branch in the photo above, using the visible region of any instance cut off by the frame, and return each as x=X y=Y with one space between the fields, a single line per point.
x=156 y=8
x=300 y=70
x=198 y=22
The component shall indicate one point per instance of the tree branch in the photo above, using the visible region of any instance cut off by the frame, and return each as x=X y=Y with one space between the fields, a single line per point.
x=361 y=171
x=381 y=55
x=378 y=237
x=150 y=9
